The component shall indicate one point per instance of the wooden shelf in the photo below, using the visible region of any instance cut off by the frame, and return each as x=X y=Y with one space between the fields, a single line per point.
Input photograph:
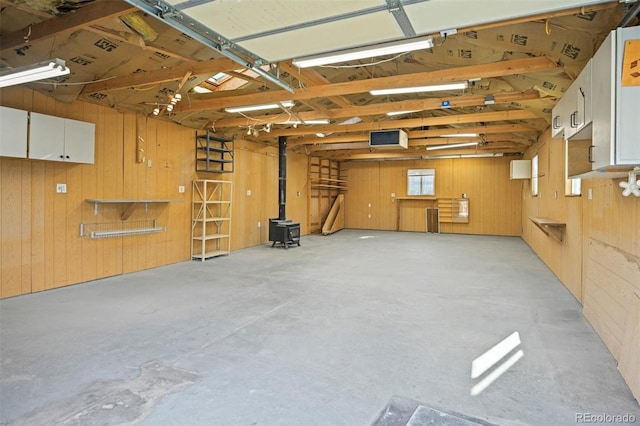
x=550 y=227
x=210 y=254
x=211 y=237
x=131 y=204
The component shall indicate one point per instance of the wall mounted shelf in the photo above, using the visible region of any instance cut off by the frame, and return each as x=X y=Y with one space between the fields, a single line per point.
x=549 y=226
x=130 y=205
x=213 y=153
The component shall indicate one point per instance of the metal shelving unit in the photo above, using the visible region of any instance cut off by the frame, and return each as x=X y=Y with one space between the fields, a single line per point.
x=211 y=219
x=214 y=154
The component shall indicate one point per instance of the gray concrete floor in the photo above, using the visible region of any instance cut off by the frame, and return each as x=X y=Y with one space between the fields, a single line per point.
x=323 y=334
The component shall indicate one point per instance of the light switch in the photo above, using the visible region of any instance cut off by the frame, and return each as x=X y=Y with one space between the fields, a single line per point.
x=181 y=189
x=248 y=192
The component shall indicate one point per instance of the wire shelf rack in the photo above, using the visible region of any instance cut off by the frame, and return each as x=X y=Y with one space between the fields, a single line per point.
x=120 y=229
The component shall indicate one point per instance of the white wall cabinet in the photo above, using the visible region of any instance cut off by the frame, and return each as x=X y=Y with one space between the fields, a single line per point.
x=560 y=117
x=572 y=115
x=615 y=120
x=580 y=110
x=13 y=136
x=520 y=169
x=61 y=139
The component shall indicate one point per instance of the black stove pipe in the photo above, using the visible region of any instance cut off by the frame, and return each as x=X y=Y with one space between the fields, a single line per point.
x=282 y=177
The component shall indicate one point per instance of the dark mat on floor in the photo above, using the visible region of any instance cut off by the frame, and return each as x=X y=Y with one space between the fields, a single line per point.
x=407 y=412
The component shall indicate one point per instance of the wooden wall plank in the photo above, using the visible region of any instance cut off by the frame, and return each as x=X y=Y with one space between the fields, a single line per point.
x=495 y=201
x=11 y=243
x=25 y=227
x=630 y=353
x=51 y=253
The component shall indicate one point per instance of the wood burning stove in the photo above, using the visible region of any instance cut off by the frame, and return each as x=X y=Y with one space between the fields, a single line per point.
x=282 y=230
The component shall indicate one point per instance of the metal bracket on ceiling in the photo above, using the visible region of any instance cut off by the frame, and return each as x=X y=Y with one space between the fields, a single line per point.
x=399 y=14
x=205 y=35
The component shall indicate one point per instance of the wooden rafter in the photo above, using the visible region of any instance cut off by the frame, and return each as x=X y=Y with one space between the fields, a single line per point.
x=482 y=117
x=81 y=18
x=383 y=108
x=160 y=76
x=494 y=69
x=349 y=138
x=312 y=78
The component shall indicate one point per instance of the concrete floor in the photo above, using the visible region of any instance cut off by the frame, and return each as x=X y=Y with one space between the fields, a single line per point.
x=323 y=334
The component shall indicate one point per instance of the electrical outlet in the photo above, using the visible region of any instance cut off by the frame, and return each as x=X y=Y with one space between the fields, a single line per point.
x=248 y=192
x=259 y=224
x=181 y=189
x=61 y=188
x=149 y=163
x=590 y=194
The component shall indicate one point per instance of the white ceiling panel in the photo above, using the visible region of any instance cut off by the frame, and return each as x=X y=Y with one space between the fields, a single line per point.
x=362 y=30
x=437 y=15
x=239 y=18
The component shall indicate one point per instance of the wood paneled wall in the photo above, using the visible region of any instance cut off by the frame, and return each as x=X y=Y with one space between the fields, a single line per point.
x=494 y=199
x=608 y=217
x=598 y=259
x=40 y=243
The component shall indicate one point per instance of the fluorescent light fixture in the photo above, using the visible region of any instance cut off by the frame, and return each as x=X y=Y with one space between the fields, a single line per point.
x=431 y=88
x=283 y=104
x=321 y=135
x=46 y=69
x=319 y=121
x=392 y=113
x=441 y=157
x=365 y=52
x=453 y=145
x=460 y=135
x=489 y=100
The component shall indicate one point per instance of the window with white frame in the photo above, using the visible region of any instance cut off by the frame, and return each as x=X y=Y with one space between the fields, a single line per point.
x=421 y=182
x=534 y=176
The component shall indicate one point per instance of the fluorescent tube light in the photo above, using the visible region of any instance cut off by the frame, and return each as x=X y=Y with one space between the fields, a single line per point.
x=431 y=88
x=392 y=113
x=441 y=157
x=318 y=121
x=285 y=104
x=46 y=69
x=364 y=52
x=460 y=135
x=453 y=145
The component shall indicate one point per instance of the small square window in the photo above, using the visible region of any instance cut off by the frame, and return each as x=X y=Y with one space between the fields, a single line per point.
x=421 y=182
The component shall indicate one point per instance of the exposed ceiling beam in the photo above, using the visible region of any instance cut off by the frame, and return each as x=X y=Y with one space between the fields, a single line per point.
x=160 y=76
x=81 y=18
x=481 y=117
x=383 y=108
x=312 y=77
x=486 y=130
x=494 y=69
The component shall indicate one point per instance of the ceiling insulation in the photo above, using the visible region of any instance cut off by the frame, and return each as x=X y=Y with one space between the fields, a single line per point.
x=138 y=65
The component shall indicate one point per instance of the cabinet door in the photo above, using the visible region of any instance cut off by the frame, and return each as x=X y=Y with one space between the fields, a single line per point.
x=604 y=117
x=79 y=141
x=46 y=137
x=560 y=118
x=13 y=137
x=627 y=144
x=581 y=115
